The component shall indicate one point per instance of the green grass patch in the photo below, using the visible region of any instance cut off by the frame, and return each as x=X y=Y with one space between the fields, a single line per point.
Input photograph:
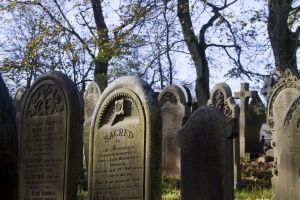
x=171 y=189
x=253 y=194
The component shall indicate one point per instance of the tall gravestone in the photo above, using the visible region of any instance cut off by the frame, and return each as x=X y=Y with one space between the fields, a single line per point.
x=91 y=98
x=284 y=92
x=51 y=139
x=175 y=104
x=288 y=153
x=125 y=143
x=207 y=149
x=244 y=132
x=8 y=146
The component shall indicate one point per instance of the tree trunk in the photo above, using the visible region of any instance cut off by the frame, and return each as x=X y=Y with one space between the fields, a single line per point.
x=197 y=51
x=283 y=40
x=101 y=60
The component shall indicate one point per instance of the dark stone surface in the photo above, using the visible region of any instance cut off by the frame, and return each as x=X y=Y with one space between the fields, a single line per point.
x=206 y=156
x=51 y=139
x=207 y=149
x=125 y=145
x=8 y=146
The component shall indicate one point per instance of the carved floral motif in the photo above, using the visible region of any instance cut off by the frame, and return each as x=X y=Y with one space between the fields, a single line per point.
x=117 y=108
x=168 y=97
x=47 y=100
x=221 y=103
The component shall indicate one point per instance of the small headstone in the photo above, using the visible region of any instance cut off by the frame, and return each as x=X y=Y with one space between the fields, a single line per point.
x=8 y=146
x=51 y=139
x=125 y=148
x=91 y=97
x=174 y=102
x=244 y=96
x=207 y=149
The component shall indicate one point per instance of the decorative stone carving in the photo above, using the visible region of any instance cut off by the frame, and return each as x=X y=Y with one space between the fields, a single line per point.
x=125 y=148
x=51 y=139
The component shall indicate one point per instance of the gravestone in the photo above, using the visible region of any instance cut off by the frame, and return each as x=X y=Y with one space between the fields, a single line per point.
x=283 y=122
x=91 y=97
x=18 y=96
x=8 y=146
x=287 y=152
x=174 y=102
x=244 y=96
x=207 y=149
x=18 y=100
x=267 y=87
x=125 y=145
x=255 y=119
x=51 y=139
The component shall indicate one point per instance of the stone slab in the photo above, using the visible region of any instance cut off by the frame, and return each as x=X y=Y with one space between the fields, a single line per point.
x=51 y=139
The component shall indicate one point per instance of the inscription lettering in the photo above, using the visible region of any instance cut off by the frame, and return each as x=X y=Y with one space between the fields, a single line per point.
x=118 y=133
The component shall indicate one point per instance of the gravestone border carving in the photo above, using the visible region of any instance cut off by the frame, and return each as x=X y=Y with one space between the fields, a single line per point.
x=227 y=104
x=147 y=101
x=288 y=79
x=73 y=132
x=231 y=110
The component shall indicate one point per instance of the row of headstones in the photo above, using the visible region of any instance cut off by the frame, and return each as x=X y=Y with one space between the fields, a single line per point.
x=125 y=149
x=175 y=102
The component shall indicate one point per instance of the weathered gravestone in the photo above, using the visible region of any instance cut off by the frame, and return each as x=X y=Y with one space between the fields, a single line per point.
x=207 y=149
x=18 y=96
x=254 y=121
x=18 y=100
x=287 y=151
x=91 y=98
x=125 y=143
x=244 y=134
x=174 y=102
x=280 y=102
x=8 y=146
x=51 y=139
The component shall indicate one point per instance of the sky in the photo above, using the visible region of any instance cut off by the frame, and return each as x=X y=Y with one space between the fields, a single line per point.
x=185 y=70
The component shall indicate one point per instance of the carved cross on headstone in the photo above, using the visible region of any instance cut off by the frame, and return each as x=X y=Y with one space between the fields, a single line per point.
x=244 y=94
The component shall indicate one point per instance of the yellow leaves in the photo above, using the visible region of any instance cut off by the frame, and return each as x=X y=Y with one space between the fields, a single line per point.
x=9 y=6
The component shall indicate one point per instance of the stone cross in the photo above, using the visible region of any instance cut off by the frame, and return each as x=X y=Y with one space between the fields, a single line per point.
x=244 y=96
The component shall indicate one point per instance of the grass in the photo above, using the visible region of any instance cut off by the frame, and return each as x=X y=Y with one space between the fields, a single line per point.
x=171 y=189
x=253 y=194
x=256 y=184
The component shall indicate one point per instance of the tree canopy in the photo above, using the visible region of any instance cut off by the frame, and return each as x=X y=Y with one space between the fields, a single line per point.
x=156 y=40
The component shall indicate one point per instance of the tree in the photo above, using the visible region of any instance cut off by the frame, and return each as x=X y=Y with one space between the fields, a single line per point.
x=283 y=15
x=34 y=45
x=197 y=44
